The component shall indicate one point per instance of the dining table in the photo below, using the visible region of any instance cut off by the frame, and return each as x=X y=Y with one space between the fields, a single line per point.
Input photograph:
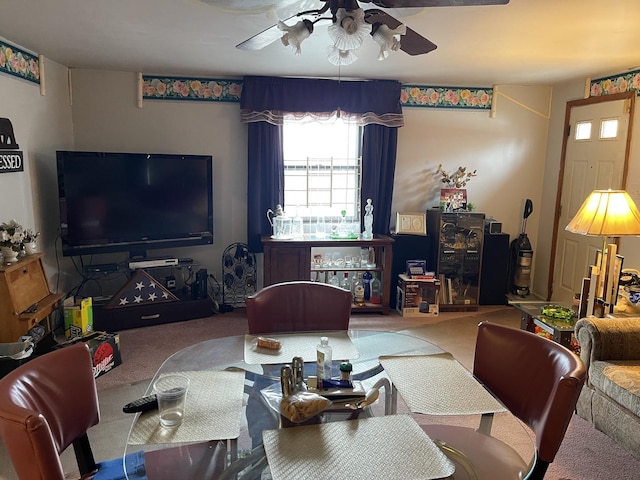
x=233 y=425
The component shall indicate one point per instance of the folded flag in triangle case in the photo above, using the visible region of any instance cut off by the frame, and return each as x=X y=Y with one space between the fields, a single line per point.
x=141 y=289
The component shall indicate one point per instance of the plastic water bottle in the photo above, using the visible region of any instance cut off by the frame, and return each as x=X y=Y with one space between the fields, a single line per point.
x=324 y=354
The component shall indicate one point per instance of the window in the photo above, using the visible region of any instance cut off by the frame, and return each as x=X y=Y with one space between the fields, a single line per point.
x=322 y=168
x=609 y=128
x=583 y=131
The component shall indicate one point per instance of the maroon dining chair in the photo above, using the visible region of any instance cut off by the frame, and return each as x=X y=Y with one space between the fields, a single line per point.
x=50 y=402
x=538 y=380
x=298 y=306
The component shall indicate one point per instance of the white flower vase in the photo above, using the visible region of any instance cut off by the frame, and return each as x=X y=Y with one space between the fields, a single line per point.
x=31 y=247
x=9 y=254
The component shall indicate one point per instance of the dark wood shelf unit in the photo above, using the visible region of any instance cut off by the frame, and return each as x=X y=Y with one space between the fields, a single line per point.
x=290 y=260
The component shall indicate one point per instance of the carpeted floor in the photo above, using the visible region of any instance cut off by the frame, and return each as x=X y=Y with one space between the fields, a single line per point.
x=585 y=454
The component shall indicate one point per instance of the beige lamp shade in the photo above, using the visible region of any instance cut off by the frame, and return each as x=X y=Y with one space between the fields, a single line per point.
x=608 y=213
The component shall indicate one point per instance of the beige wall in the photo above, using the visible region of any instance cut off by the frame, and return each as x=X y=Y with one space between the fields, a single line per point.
x=507 y=151
x=512 y=153
x=42 y=124
x=106 y=117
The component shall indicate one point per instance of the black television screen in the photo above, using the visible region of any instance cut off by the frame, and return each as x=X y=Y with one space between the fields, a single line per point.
x=132 y=202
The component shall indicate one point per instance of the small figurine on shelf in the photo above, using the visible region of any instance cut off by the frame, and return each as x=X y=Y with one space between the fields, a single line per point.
x=368 y=221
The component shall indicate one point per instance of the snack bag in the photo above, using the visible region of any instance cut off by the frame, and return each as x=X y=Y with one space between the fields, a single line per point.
x=298 y=407
x=301 y=406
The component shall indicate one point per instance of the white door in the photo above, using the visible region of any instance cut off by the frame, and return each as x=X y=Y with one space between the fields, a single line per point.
x=595 y=158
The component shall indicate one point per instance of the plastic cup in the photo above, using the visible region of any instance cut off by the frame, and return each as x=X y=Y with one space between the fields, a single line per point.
x=171 y=391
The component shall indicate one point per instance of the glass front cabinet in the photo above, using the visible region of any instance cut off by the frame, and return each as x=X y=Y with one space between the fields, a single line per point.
x=456 y=241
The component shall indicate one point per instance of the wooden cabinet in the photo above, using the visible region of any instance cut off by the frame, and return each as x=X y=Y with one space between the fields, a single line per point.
x=23 y=284
x=289 y=260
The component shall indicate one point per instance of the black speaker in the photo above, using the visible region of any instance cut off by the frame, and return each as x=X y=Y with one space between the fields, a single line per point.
x=200 y=286
x=494 y=276
x=406 y=247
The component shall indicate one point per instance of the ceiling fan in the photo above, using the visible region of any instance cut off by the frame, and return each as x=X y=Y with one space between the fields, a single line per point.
x=349 y=24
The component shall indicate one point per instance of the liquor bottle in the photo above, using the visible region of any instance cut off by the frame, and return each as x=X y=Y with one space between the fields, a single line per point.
x=334 y=280
x=346 y=282
x=358 y=291
x=366 y=279
x=376 y=290
x=324 y=354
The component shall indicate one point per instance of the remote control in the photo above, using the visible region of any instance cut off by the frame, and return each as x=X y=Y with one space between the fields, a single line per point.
x=143 y=404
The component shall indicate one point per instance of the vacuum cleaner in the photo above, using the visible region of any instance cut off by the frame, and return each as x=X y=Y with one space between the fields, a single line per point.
x=522 y=257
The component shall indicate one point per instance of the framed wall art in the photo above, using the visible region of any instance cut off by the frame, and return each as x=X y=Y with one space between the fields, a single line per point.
x=414 y=223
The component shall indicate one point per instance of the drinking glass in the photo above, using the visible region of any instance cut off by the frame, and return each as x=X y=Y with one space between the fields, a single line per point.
x=171 y=391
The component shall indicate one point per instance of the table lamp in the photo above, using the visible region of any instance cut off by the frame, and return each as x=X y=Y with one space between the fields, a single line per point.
x=606 y=213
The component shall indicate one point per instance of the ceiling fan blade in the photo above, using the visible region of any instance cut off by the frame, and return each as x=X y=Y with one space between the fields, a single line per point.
x=434 y=3
x=262 y=39
x=412 y=42
x=267 y=37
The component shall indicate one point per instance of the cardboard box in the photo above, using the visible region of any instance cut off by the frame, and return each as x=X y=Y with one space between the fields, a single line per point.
x=105 y=350
x=78 y=317
x=417 y=297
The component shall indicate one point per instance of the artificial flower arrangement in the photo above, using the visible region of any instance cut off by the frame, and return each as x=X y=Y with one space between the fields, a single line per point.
x=457 y=179
x=12 y=235
x=30 y=235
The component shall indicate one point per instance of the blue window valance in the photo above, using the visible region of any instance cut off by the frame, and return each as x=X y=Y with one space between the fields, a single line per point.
x=270 y=99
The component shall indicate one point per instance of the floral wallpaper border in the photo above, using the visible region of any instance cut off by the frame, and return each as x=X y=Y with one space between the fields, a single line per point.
x=184 y=88
x=446 y=97
x=619 y=83
x=19 y=63
x=219 y=90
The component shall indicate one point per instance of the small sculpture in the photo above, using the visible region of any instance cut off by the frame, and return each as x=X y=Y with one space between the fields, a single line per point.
x=368 y=221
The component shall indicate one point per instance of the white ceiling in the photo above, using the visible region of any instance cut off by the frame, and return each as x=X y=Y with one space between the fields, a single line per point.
x=524 y=42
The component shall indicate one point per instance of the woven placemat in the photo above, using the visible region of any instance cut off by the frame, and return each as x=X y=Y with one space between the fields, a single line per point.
x=438 y=385
x=298 y=345
x=391 y=447
x=213 y=411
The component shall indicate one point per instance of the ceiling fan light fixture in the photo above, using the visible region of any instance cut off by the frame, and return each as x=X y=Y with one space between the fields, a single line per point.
x=349 y=29
x=387 y=38
x=341 y=57
x=349 y=25
x=296 y=34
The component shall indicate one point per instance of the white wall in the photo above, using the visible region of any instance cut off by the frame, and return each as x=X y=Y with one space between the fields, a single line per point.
x=106 y=118
x=42 y=124
x=508 y=151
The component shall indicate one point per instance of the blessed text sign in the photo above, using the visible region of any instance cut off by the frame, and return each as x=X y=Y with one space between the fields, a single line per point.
x=11 y=159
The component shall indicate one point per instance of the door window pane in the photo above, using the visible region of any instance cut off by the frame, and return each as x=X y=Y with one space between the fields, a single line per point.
x=583 y=131
x=609 y=128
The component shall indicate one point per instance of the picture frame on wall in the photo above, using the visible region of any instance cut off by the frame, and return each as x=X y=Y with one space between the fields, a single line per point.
x=413 y=223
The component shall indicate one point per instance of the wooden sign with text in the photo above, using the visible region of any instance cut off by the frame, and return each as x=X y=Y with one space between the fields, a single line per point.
x=11 y=159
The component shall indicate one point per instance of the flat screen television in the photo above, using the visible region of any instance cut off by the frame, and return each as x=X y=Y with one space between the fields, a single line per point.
x=133 y=202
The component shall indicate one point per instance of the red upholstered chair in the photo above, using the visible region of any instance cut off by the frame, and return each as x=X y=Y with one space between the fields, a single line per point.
x=298 y=306
x=51 y=401
x=538 y=380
